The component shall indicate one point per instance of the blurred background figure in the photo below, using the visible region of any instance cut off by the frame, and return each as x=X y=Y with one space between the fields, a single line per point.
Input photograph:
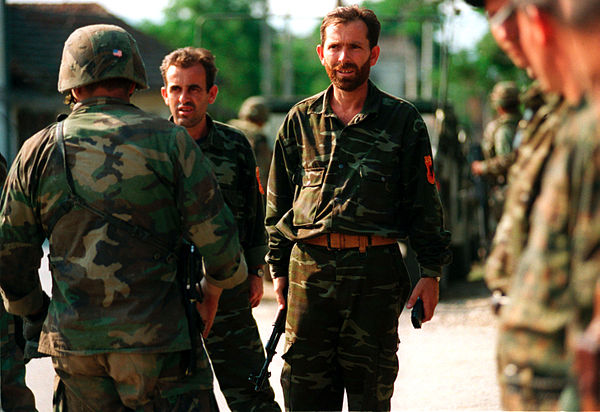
x=497 y=149
x=252 y=117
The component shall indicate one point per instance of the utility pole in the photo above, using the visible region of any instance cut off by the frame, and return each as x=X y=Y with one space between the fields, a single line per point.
x=287 y=65
x=427 y=60
x=266 y=74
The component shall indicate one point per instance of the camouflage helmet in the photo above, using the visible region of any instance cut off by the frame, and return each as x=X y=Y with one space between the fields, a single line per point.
x=254 y=109
x=99 y=52
x=476 y=3
x=505 y=94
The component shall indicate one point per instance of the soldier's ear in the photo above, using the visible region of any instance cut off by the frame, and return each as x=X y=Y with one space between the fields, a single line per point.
x=374 y=55
x=541 y=26
x=320 y=53
x=165 y=95
x=212 y=94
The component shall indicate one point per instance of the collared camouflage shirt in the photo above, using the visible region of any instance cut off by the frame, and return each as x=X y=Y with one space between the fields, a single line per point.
x=373 y=176
x=235 y=168
x=111 y=291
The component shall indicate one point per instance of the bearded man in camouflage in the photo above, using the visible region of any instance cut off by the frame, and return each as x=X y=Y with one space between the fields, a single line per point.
x=114 y=190
x=234 y=344
x=352 y=174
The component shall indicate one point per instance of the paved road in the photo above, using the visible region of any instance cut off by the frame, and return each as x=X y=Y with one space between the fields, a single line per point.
x=446 y=365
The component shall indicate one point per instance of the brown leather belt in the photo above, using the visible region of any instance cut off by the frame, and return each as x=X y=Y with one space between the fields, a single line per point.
x=344 y=241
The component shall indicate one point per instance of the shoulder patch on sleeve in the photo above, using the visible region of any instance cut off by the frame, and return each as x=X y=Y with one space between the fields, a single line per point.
x=430 y=172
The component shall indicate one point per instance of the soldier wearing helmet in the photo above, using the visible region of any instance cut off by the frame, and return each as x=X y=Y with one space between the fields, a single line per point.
x=252 y=116
x=497 y=143
x=115 y=191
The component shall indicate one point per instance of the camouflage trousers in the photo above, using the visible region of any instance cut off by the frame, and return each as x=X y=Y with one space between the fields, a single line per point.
x=342 y=327
x=14 y=394
x=532 y=370
x=236 y=351
x=132 y=382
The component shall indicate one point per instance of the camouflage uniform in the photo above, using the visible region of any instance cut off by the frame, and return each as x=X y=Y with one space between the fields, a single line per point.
x=531 y=345
x=116 y=326
x=582 y=163
x=373 y=176
x=234 y=344
x=510 y=238
x=253 y=113
x=14 y=394
x=497 y=146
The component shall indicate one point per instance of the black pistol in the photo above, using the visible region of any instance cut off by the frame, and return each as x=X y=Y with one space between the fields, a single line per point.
x=417 y=314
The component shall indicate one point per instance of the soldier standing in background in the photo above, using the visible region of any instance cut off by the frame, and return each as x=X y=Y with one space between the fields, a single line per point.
x=252 y=117
x=234 y=344
x=114 y=190
x=497 y=143
x=352 y=174
x=14 y=394
x=513 y=232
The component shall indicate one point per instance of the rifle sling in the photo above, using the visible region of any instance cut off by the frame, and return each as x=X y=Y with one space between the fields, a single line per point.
x=138 y=232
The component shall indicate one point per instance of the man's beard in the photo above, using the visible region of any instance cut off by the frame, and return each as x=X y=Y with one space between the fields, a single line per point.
x=348 y=83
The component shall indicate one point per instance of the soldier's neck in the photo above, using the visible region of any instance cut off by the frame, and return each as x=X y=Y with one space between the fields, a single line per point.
x=347 y=104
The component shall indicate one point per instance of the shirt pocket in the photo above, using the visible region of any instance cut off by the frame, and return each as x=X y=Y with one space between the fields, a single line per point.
x=309 y=196
x=378 y=191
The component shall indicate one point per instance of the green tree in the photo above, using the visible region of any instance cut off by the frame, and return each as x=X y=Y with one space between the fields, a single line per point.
x=231 y=31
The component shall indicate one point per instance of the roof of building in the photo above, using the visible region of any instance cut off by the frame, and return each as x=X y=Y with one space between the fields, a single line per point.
x=36 y=33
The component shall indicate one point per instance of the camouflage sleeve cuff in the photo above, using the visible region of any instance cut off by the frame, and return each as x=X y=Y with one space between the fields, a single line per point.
x=238 y=277
x=27 y=305
x=255 y=256
x=430 y=273
x=278 y=271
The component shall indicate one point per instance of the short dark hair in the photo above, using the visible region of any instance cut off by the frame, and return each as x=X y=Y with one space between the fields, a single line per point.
x=188 y=57
x=347 y=14
x=117 y=83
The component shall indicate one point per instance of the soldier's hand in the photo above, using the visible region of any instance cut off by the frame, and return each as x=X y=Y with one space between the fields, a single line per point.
x=209 y=305
x=477 y=168
x=256 y=290
x=280 y=286
x=428 y=289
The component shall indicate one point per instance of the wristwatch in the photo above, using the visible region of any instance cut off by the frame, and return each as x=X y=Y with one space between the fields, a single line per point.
x=258 y=272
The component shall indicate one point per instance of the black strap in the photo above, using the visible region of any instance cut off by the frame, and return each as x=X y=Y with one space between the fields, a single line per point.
x=139 y=232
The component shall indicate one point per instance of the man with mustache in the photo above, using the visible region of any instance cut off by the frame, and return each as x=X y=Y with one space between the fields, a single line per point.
x=352 y=174
x=233 y=343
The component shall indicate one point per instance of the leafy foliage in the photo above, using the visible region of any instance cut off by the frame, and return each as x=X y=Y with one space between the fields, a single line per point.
x=231 y=29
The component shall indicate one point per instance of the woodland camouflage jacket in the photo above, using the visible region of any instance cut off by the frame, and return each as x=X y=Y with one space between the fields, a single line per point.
x=111 y=291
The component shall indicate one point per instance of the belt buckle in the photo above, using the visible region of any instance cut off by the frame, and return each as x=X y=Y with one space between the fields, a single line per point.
x=334 y=241
x=363 y=242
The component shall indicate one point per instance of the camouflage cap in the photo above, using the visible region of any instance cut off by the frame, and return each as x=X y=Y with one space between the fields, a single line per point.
x=505 y=94
x=100 y=52
x=476 y=3
x=254 y=109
